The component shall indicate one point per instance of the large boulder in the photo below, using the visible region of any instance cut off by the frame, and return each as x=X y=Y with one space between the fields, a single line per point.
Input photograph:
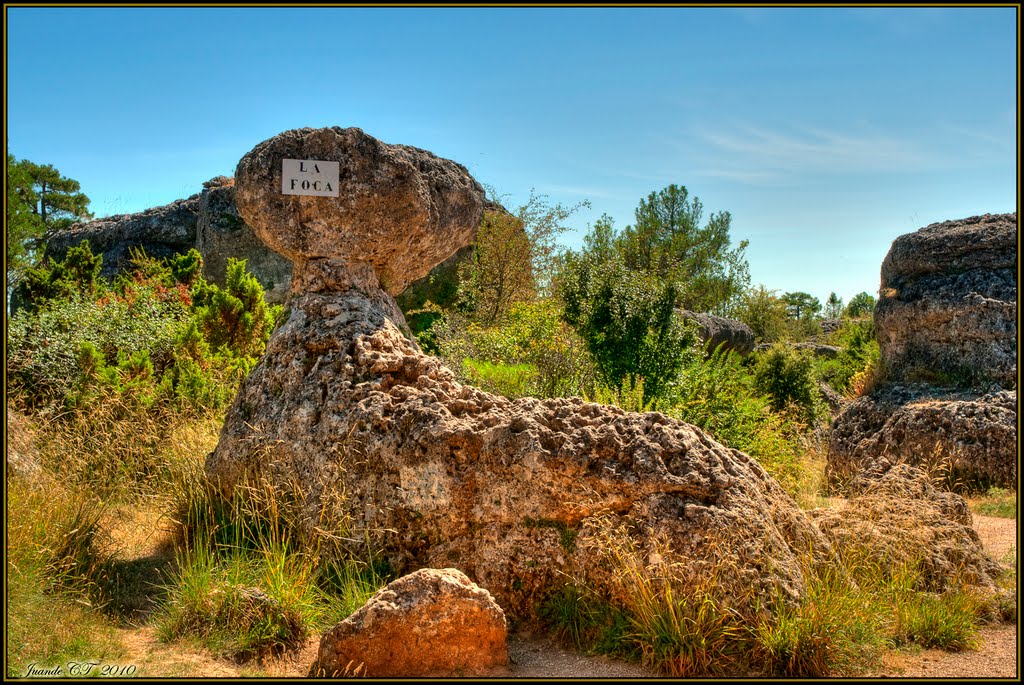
x=433 y=623
x=380 y=439
x=947 y=328
x=948 y=306
x=717 y=331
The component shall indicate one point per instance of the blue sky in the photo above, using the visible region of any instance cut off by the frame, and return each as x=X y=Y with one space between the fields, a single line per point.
x=826 y=132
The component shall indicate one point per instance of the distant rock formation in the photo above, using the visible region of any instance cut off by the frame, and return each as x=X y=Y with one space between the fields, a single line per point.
x=433 y=623
x=947 y=328
x=717 y=331
x=346 y=412
x=207 y=221
x=161 y=231
x=221 y=233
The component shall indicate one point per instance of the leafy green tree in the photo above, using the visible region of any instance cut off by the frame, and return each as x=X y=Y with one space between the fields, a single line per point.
x=514 y=257
x=833 y=306
x=801 y=305
x=627 y=317
x=500 y=273
x=668 y=242
x=861 y=304
x=39 y=199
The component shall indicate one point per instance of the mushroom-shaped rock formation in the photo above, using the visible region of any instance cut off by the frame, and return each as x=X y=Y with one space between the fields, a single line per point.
x=399 y=208
x=381 y=441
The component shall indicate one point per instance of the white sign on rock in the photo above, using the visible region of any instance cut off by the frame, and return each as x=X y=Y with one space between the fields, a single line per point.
x=309 y=177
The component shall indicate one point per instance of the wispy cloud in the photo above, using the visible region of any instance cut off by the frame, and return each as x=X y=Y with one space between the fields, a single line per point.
x=748 y=177
x=760 y=156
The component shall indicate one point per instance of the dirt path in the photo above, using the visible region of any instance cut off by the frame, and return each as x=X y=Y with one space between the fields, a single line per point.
x=997 y=657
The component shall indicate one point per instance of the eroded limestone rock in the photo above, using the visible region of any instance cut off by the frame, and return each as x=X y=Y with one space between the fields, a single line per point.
x=400 y=208
x=970 y=438
x=207 y=221
x=380 y=439
x=717 y=331
x=948 y=305
x=947 y=328
x=430 y=623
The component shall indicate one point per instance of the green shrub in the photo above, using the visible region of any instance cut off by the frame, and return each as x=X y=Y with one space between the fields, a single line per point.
x=787 y=376
x=531 y=352
x=859 y=352
x=76 y=275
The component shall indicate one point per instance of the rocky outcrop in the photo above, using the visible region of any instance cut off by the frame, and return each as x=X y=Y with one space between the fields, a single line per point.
x=966 y=437
x=816 y=349
x=207 y=221
x=717 y=331
x=947 y=329
x=399 y=208
x=431 y=623
x=160 y=231
x=380 y=439
x=946 y=325
x=896 y=516
x=948 y=307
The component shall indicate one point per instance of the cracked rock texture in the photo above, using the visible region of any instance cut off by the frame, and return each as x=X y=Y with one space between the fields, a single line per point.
x=947 y=327
x=430 y=623
x=380 y=440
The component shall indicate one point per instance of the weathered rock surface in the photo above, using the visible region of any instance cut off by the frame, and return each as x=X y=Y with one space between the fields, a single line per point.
x=221 y=233
x=972 y=437
x=207 y=221
x=400 y=208
x=431 y=623
x=897 y=516
x=948 y=305
x=946 y=324
x=382 y=440
x=716 y=331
